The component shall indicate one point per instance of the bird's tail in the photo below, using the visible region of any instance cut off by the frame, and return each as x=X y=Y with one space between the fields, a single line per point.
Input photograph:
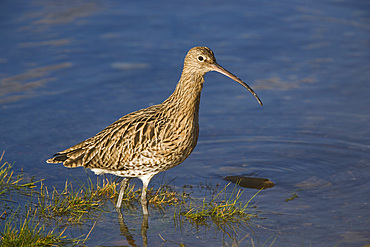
x=69 y=159
x=58 y=158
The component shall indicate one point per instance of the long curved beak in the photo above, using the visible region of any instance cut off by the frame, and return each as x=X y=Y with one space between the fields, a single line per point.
x=219 y=69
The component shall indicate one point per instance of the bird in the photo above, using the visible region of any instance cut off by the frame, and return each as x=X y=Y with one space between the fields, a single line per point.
x=146 y=142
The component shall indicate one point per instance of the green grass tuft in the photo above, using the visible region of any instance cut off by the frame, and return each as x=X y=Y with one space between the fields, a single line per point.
x=9 y=182
x=219 y=210
x=29 y=232
x=73 y=206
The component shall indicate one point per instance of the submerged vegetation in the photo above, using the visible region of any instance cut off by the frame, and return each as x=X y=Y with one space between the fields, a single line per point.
x=30 y=208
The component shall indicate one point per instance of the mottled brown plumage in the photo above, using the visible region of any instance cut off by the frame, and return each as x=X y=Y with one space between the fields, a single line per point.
x=146 y=142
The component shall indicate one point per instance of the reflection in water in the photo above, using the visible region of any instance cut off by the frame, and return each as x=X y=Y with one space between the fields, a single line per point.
x=144 y=229
x=125 y=231
x=313 y=183
x=56 y=13
x=21 y=86
x=55 y=42
x=235 y=228
x=276 y=83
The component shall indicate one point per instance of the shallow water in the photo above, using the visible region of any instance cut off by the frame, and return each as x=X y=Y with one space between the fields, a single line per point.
x=70 y=69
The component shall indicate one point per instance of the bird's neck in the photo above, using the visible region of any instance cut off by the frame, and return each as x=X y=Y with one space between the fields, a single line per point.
x=186 y=97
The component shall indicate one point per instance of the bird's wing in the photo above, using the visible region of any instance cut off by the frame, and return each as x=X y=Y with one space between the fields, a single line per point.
x=115 y=145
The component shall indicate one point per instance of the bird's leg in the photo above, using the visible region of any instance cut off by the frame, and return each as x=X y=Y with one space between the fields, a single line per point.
x=144 y=199
x=123 y=187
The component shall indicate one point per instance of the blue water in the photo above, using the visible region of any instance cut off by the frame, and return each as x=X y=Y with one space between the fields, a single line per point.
x=68 y=69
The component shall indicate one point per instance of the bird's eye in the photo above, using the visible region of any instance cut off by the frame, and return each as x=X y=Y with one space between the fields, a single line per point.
x=200 y=58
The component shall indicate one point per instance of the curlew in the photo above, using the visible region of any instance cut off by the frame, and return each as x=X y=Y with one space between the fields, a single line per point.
x=151 y=140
